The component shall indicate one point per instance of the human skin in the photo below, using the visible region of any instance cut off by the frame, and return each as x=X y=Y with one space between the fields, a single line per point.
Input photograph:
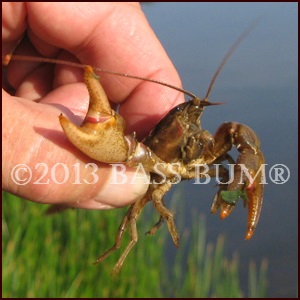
x=113 y=36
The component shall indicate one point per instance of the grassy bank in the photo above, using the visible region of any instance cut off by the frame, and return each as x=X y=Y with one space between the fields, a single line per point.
x=52 y=257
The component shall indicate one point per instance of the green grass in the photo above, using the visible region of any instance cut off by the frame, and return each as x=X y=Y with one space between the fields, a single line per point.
x=52 y=257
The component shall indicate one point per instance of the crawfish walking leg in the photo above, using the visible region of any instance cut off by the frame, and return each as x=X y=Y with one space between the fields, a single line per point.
x=118 y=240
x=156 y=226
x=129 y=219
x=133 y=215
x=157 y=195
x=134 y=239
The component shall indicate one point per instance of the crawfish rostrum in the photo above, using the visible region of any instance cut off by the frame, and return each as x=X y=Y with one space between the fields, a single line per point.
x=175 y=146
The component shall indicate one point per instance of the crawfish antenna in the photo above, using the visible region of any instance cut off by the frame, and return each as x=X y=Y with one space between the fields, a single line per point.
x=8 y=57
x=147 y=79
x=228 y=54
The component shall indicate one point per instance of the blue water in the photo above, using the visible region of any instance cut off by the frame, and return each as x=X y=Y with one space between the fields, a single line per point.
x=260 y=86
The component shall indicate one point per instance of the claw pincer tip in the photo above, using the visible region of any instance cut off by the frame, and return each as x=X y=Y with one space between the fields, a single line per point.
x=249 y=233
x=224 y=214
x=226 y=211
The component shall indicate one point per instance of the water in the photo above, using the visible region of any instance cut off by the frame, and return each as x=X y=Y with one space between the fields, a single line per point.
x=259 y=85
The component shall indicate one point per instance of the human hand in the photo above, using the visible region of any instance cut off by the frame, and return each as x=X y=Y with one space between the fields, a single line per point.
x=113 y=36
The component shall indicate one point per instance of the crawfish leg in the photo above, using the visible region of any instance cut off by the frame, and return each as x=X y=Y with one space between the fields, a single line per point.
x=129 y=219
x=156 y=226
x=134 y=239
x=157 y=198
x=119 y=236
x=133 y=215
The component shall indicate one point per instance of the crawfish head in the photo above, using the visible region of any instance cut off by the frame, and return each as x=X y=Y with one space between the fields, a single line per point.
x=179 y=136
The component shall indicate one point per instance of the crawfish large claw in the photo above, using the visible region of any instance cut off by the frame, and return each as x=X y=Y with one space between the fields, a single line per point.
x=101 y=135
x=247 y=183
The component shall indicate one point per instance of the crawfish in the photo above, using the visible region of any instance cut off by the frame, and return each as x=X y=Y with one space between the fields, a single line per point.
x=172 y=149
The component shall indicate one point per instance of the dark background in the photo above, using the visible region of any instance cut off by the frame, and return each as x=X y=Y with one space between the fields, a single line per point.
x=259 y=85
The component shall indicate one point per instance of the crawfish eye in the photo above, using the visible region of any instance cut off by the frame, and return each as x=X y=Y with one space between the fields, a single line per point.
x=179 y=108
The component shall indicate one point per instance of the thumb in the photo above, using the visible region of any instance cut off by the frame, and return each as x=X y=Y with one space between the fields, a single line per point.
x=39 y=163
